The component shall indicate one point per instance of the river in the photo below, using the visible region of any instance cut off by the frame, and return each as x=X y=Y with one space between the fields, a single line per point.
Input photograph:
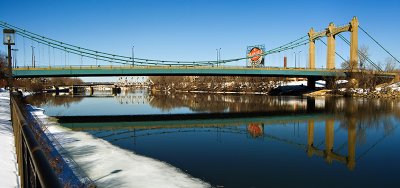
x=246 y=140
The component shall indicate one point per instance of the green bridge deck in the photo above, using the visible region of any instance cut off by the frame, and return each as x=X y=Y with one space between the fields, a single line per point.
x=73 y=71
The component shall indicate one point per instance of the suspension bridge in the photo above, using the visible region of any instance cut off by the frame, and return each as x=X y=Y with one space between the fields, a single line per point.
x=118 y=65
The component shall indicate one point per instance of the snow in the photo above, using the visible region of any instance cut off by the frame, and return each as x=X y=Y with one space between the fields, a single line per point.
x=8 y=160
x=395 y=86
x=318 y=83
x=111 y=166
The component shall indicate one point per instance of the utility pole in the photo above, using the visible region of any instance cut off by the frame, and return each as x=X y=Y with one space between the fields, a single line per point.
x=133 y=55
x=33 y=56
x=15 y=58
x=219 y=54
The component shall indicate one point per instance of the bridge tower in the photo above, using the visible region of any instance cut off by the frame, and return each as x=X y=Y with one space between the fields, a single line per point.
x=354 y=40
x=330 y=33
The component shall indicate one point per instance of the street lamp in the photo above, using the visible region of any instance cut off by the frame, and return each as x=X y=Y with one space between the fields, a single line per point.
x=218 y=55
x=33 y=56
x=15 y=58
x=295 y=58
x=133 y=55
x=9 y=40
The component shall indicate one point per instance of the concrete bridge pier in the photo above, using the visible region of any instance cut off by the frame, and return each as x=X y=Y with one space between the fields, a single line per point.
x=311 y=82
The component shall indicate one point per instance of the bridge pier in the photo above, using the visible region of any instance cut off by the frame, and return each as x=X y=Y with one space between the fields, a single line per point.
x=311 y=82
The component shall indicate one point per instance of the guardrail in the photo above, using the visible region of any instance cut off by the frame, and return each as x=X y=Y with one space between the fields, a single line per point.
x=33 y=167
x=108 y=67
x=39 y=163
x=78 y=67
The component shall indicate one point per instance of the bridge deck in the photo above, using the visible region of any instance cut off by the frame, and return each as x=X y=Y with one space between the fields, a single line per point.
x=82 y=71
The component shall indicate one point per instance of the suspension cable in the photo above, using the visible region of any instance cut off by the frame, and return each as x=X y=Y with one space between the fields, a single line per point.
x=361 y=54
x=335 y=51
x=378 y=43
x=126 y=60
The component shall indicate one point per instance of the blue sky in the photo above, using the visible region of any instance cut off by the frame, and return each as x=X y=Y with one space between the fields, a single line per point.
x=193 y=29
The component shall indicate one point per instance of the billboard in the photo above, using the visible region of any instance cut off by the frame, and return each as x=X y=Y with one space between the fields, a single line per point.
x=255 y=59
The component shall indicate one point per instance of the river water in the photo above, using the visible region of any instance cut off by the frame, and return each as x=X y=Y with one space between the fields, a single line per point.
x=266 y=142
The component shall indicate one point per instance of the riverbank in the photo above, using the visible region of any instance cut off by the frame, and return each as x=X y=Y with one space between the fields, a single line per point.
x=8 y=159
x=387 y=91
x=282 y=88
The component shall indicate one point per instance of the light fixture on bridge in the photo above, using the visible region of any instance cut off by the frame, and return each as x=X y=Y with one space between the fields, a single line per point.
x=8 y=36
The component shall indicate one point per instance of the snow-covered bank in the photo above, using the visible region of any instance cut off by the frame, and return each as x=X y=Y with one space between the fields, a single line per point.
x=8 y=159
x=110 y=166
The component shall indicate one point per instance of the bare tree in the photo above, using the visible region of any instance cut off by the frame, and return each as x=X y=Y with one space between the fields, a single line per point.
x=390 y=64
x=364 y=50
x=349 y=65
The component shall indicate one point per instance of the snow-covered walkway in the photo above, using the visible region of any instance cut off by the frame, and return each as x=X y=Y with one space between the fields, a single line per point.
x=8 y=160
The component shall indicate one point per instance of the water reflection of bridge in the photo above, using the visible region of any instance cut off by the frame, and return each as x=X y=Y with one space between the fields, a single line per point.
x=255 y=129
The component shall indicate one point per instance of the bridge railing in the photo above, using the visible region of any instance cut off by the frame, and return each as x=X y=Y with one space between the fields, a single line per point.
x=105 y=67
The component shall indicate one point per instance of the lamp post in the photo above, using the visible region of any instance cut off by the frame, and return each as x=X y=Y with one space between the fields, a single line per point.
x=9 y=40
x=133 y=55
x=295 y=58
x=299 y=58
x=218 y=55
x=33 y=56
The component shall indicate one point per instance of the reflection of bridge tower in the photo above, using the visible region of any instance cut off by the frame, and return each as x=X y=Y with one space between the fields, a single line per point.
x=329 y=153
